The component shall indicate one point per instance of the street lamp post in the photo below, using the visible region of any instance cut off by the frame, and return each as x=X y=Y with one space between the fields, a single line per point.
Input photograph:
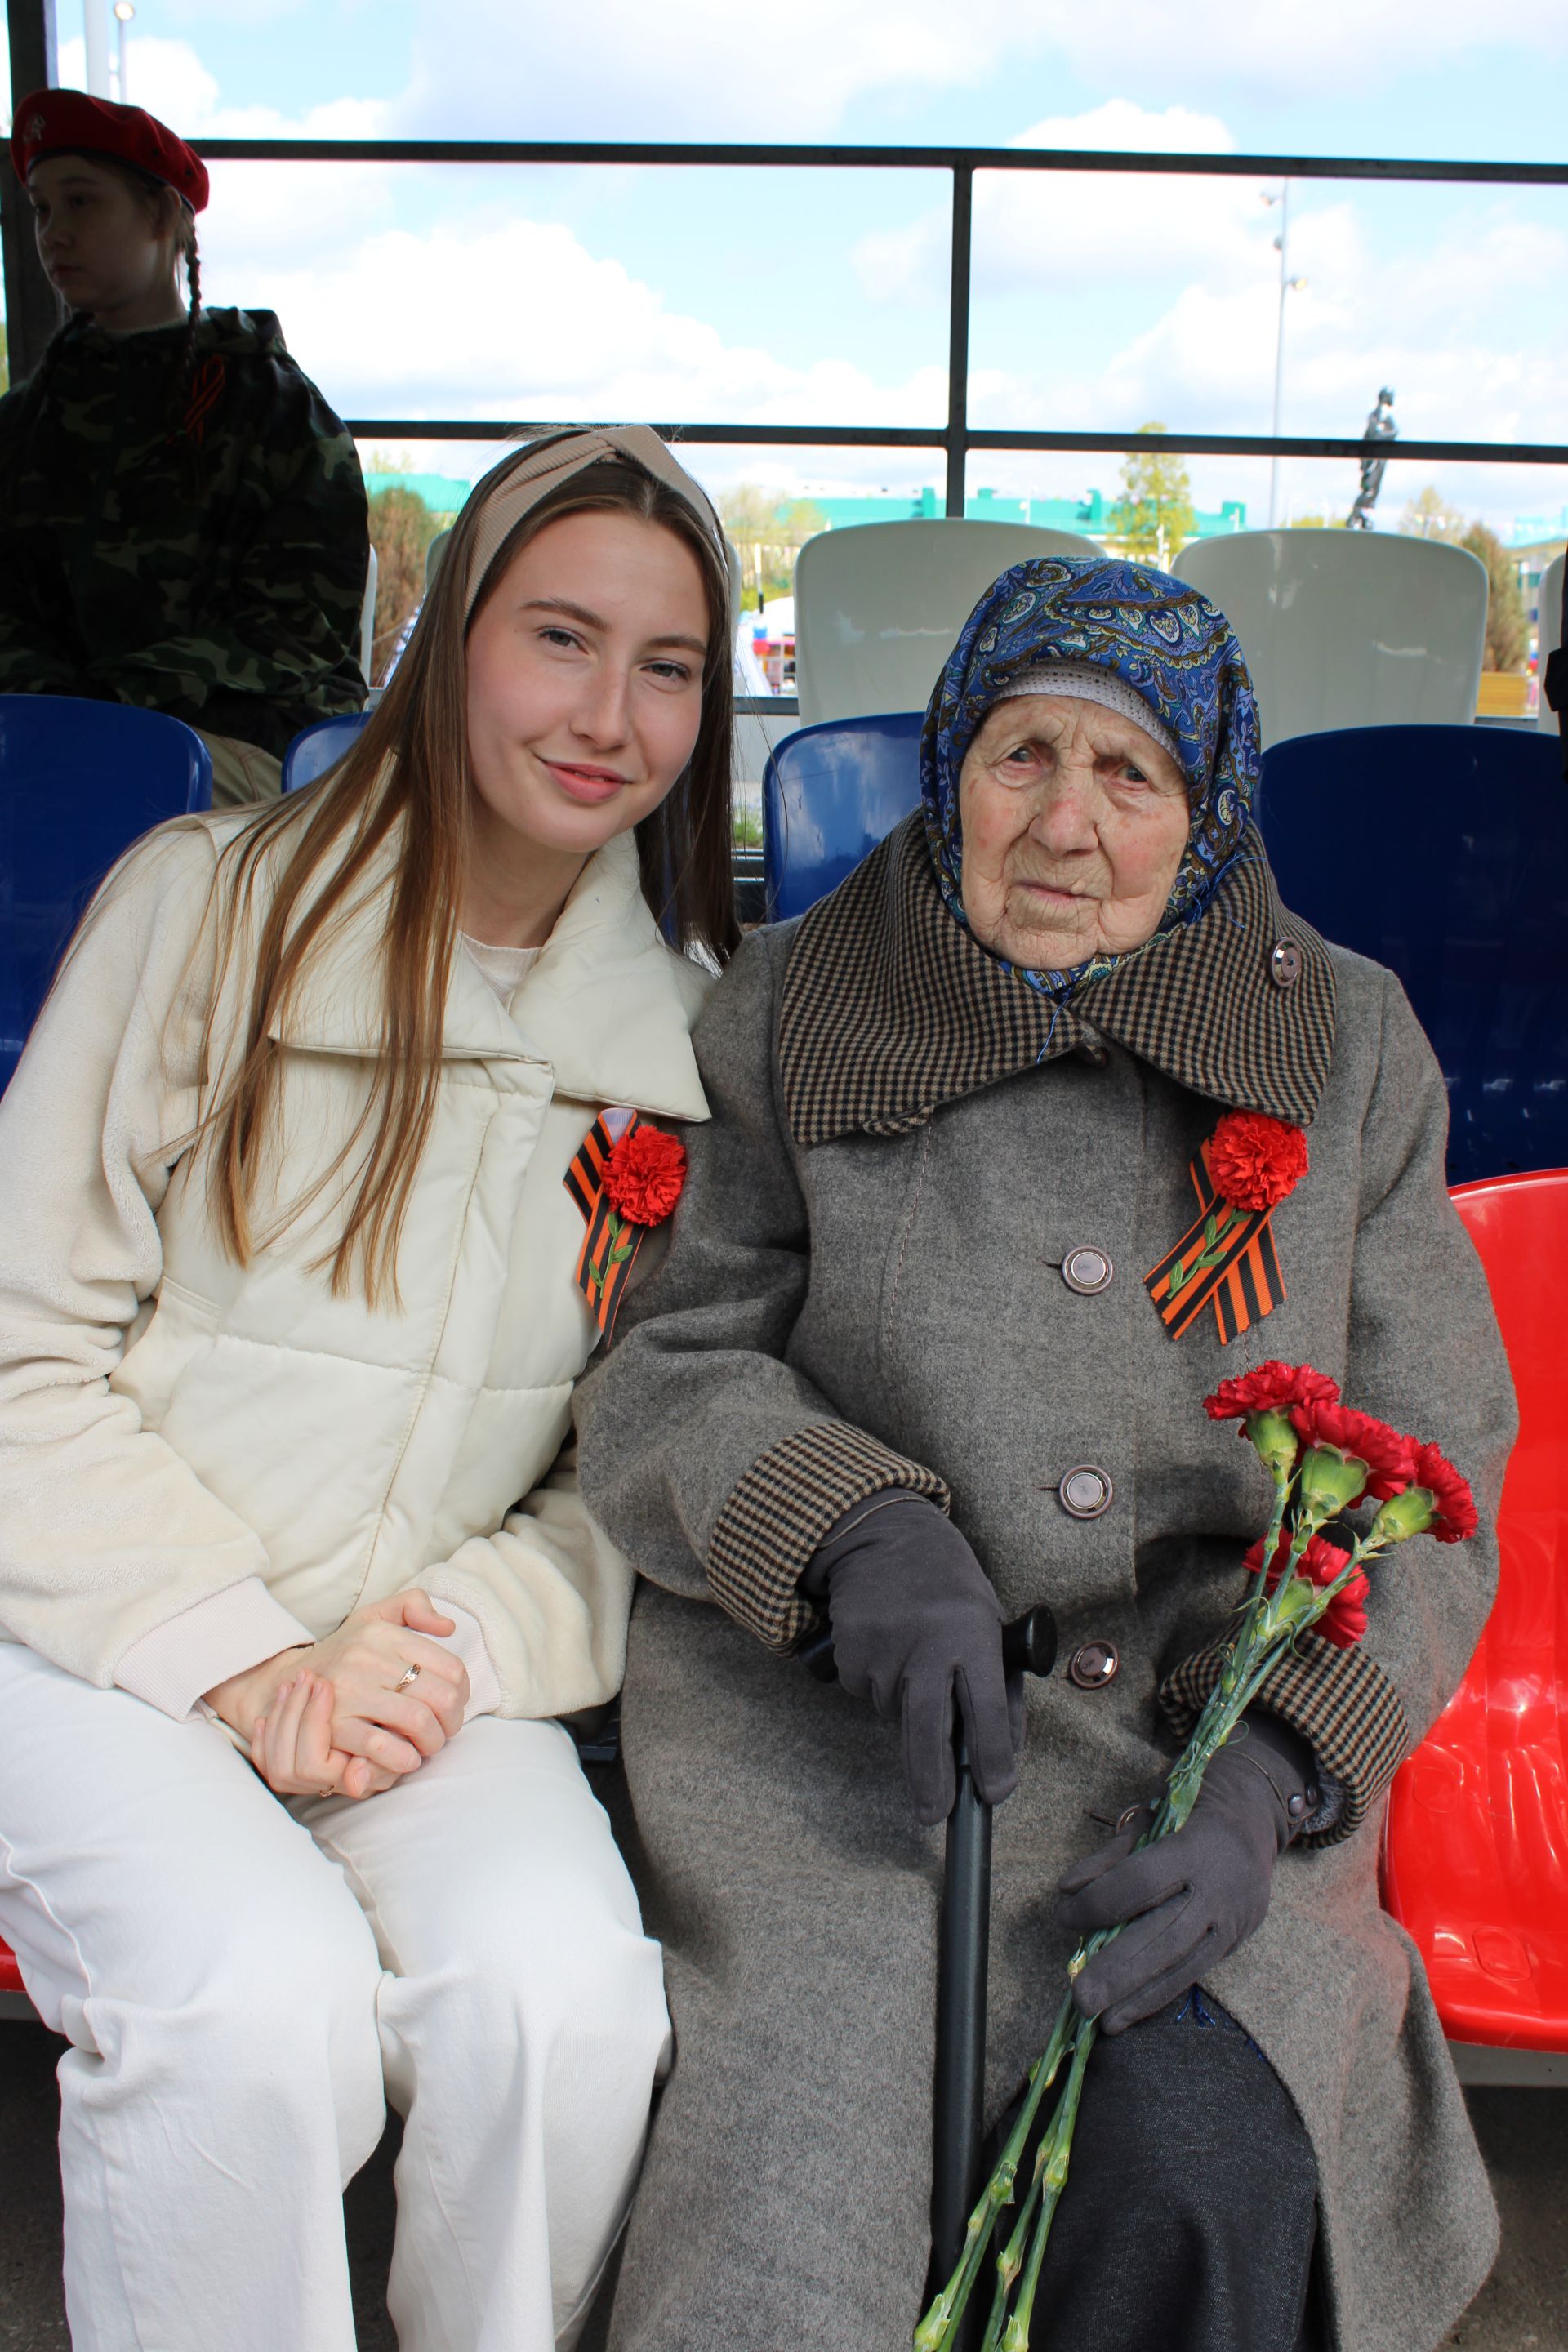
x=95 y=48
x=124 y=12
x=1287 y=284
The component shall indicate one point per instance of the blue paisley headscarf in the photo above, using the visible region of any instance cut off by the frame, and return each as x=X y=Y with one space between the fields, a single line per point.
x=1176 y=650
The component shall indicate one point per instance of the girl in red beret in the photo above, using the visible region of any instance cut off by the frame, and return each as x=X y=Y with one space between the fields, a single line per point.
x=183 y=519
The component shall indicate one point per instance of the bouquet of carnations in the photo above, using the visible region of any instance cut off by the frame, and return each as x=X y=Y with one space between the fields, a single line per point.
x=1324 y=1460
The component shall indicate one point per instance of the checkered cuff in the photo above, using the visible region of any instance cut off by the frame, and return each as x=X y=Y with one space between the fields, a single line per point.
x=777 y=1514
x=1343 y=1704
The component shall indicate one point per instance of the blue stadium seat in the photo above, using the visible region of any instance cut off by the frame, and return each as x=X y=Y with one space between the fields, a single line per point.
x=1443 y=852
x=78 y=782
x=319 y=746
x=829 y=794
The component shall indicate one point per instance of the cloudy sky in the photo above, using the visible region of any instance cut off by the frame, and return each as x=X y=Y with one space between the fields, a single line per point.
x=789 y=298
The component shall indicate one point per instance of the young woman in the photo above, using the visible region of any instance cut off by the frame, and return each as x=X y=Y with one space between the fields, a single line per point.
x=293 y=1571
x=183 y=519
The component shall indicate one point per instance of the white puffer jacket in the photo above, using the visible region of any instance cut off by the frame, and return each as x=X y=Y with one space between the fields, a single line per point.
x=202 y=1464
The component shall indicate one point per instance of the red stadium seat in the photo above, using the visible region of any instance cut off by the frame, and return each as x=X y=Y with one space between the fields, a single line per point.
x=10 y=1974
x=1476 y=1866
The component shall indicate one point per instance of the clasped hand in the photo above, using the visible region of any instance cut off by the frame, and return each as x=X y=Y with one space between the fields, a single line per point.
x=330 y=1718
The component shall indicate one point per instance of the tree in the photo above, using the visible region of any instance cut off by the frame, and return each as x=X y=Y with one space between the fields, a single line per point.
x=401 y=529
x=1153 y=516
x=1428 y=515
x=767 y=536
x=1507 y=632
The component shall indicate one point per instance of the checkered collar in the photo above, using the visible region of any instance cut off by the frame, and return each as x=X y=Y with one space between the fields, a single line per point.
x=891 y=1009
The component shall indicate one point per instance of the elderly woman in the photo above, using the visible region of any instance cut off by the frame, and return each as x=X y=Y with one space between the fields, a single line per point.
x=900 y=1365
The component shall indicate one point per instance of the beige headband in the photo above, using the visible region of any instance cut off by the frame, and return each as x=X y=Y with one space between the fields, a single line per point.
x=520 y=482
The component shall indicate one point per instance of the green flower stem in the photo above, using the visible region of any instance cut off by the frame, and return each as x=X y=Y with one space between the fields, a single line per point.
x=1053 y=2176
x=1010 y=2261
x=939 y=2326
x=1282 y=1484
x=1264 y=1634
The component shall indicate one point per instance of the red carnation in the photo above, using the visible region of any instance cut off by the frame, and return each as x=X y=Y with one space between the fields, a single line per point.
x=1389 y=1458
x=644 y=1175
x=1256 y=1160
x=1453 y=1505
x=1272 y=1388
x=1343 y=1622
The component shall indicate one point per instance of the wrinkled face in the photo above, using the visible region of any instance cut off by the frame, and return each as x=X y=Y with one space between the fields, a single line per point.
x=1074 y=823
x=585 y=681
x=99 y=240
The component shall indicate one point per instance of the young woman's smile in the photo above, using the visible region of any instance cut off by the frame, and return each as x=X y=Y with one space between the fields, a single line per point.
x=588 y=786
x=585 y=695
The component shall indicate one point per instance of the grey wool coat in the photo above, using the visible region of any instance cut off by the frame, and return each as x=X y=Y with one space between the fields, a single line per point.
x=864 y=1289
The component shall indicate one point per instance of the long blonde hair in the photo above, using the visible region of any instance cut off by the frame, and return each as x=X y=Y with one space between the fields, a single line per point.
x=409 y=770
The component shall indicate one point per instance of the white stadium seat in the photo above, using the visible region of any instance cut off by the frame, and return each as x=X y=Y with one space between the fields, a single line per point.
x=367 y=620
x=1550 y=635
x=1349 y=628
x=879 y=606
x=433 y=555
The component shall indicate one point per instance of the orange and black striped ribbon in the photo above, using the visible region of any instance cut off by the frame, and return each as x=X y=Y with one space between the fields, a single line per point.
x=206 y=389
x=610 y=1242
x=1242 y=1275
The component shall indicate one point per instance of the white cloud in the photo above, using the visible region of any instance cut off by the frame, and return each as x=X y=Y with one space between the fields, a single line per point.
x=166 y=77
x=169 y=79
x=1368 y=316
x=487 y=313
x=520 y=320
x=702 y=69
x=1068 y=228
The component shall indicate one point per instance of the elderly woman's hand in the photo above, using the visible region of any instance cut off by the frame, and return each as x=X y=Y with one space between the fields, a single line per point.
x=1184 y=1902
x=916 y=1625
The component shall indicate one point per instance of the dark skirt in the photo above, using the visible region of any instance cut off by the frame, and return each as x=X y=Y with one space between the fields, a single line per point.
x=1190 y=2214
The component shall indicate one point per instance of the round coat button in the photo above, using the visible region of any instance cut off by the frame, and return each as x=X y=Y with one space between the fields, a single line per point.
x=1087 y=1271
x=1093 y=1665
x=1085 y=1492
x=1285 y=964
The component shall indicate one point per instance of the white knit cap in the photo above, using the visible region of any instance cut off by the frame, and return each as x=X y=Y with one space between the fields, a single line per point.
x=1091 y=683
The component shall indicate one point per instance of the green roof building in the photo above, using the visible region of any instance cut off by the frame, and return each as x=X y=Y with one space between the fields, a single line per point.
x=1090 y=514
x=444 y=494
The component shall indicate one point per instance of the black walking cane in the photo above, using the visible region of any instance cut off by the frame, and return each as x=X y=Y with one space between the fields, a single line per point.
x=1028 y=1646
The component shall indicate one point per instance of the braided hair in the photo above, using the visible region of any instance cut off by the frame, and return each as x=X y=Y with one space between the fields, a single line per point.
x=185 y=245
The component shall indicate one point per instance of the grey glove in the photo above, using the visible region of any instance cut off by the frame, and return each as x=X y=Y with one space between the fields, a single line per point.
x=1194 y=1896
x=916 y=1625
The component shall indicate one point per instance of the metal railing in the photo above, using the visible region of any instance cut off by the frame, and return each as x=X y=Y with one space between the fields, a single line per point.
x=955 y=435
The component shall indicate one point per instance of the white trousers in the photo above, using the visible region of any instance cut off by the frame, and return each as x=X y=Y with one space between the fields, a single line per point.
x=245 y=1983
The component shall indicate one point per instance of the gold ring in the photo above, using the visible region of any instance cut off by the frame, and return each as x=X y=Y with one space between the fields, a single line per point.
x=409 y=1675
x=330 y=1790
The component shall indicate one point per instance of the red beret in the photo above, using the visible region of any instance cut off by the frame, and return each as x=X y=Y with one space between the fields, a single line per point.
x=68 y=122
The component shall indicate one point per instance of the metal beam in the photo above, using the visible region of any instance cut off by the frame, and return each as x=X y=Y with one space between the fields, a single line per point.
x=956 y=437
x=878 y=158
x=32 y=308
x=934 y=438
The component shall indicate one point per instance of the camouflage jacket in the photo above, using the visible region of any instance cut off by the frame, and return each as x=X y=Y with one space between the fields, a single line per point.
x=209 y=563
